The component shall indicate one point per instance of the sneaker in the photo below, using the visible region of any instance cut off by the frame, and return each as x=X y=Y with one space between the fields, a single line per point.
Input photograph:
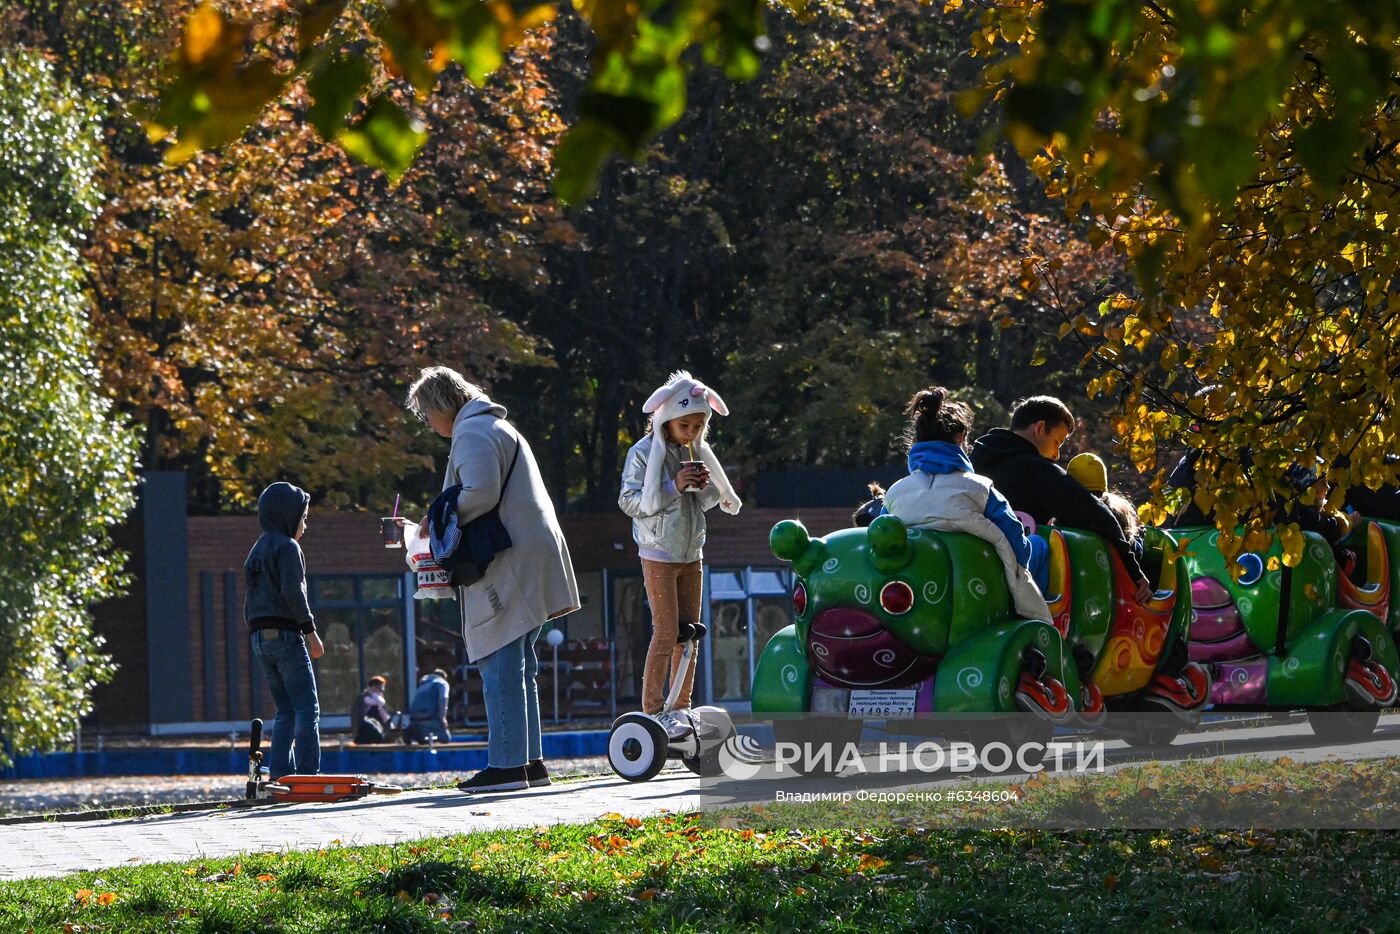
x=536 y=773
x=489 y=779
x=675 y=726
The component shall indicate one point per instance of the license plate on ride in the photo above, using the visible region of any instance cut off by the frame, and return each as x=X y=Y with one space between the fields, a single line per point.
x=890 y=705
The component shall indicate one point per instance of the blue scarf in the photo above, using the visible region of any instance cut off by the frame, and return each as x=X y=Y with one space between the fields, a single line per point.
x=936 y=457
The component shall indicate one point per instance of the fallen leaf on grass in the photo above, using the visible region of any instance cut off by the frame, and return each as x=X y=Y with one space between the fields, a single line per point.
x=1226 y=877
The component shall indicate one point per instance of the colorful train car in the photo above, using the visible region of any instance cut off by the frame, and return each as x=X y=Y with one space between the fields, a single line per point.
x=898 y=622
x=1326 y=645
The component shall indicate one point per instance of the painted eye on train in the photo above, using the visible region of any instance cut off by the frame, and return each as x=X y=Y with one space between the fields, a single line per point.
x=1253 y=566
x=897 y=598
x=799 y=598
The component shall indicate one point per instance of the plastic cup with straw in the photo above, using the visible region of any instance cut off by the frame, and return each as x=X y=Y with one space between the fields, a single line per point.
x=393 y=532
x=690 y=462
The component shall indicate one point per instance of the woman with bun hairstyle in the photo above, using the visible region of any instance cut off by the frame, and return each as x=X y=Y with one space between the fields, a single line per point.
x=942 y=492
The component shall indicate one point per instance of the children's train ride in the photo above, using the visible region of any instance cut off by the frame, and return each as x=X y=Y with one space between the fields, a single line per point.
x=892 y=622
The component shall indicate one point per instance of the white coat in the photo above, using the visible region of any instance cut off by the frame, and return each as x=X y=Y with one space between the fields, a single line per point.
x=533 y=580
x=957 y=502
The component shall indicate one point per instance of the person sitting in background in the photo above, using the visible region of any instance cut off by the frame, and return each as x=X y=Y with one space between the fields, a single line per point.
x=1092 y=473
x=427 y=711
x=370 y=716
x=868 y=511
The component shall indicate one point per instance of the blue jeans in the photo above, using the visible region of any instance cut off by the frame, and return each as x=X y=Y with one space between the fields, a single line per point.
x=420 y=731
x=1039 y=565
x=512 y=703
x=287 y=667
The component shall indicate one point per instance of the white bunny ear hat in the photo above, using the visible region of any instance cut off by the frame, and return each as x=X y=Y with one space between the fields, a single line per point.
x=683 y=394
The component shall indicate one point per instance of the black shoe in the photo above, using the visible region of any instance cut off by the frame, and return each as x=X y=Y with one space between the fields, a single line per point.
x=536 y=773
x=489 y=779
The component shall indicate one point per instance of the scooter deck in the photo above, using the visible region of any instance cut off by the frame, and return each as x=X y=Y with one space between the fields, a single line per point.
x=325 y=788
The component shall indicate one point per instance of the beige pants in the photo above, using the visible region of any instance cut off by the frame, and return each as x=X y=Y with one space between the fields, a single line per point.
x=673 y=590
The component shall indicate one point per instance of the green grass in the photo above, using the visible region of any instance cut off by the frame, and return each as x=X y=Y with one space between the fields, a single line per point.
x=1239 y=792
x=775 y=868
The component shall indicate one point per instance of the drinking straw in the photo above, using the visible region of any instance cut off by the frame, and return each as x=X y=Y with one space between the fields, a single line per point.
x=395 y=513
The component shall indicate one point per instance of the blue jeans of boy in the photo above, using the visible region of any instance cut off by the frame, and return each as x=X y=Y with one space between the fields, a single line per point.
x=287 y=667
x=512 y=703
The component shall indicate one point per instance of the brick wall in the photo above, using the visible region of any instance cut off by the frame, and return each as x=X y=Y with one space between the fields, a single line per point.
x=349 y=543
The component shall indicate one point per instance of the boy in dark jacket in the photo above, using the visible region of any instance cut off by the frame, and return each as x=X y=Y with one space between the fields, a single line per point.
x=283 y=630
x=1021 y=462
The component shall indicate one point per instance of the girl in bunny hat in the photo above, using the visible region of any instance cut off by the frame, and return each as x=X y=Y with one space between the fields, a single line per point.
x=670 y=478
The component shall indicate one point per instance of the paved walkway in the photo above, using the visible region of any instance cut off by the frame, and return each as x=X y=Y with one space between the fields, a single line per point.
x=47 y=849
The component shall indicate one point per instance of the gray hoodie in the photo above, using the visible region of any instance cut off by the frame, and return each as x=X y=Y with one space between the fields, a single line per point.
x=274 y=574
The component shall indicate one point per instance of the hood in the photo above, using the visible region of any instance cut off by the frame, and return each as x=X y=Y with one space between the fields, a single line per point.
x=1000 y=444
x=280 y=508
x=938 y=457
x=478 y=406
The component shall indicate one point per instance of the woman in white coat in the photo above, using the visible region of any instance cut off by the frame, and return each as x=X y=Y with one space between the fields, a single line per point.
x=526 y=585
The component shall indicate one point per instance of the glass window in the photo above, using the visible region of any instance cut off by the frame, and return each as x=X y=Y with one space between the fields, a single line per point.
x=338 y=671
x=328 y=589
x=770 y=614
x=361 y=624
x=380 y=589
x=631 y=635
x=729 y=649
x=726 y=585
x=383 y=649
x=764 y=582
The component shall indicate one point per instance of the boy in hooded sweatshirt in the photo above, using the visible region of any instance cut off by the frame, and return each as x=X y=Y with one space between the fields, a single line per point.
x=942 y=492
x=283 y=629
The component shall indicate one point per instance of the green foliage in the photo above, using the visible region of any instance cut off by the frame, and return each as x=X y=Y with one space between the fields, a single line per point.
x=65 y=459
x=230 y=67
x=1243 y=157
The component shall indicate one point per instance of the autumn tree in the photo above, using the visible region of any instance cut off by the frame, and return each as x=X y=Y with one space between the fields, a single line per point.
x=260 y=309
x=1243 y=157
x=65 y=457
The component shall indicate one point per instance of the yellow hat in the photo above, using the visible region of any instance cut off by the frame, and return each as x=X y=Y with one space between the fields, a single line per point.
x=1090 y=471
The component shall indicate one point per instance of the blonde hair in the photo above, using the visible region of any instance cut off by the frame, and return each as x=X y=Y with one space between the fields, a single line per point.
x=440 y=389
x=1125 y=512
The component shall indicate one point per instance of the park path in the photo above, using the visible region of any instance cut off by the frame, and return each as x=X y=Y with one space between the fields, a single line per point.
x=49 y=848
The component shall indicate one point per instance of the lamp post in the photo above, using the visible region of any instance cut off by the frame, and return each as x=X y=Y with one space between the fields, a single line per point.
x=555 y=638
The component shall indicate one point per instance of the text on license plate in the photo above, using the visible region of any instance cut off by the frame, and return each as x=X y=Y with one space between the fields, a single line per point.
x=897 y=704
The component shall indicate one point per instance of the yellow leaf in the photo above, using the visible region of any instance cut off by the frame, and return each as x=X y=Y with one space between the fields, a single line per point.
x=202 y=33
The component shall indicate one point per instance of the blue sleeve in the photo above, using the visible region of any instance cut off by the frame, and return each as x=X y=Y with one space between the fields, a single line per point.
x=441 y=701
x=999 y=511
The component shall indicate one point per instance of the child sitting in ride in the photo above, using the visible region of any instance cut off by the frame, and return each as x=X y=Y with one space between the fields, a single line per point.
x=942 y=492
x=870 y=510
x=1092 y=474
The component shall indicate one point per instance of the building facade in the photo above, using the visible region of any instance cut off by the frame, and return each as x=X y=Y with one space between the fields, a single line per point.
x=182 y=648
